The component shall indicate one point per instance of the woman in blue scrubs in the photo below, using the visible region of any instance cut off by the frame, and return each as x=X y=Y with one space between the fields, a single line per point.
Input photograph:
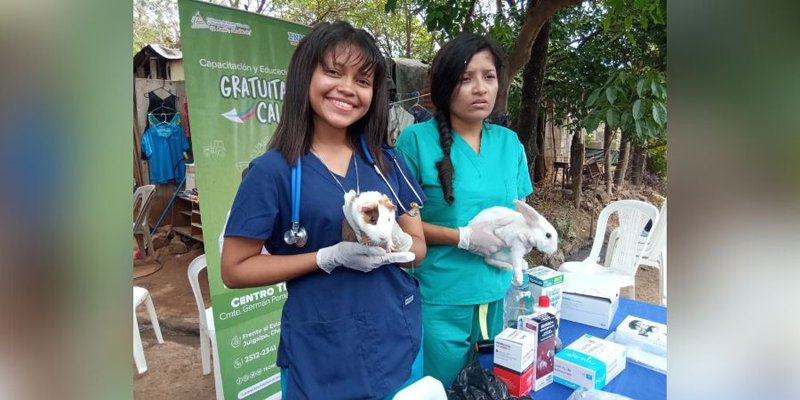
x=351 y=326
x=464 y=166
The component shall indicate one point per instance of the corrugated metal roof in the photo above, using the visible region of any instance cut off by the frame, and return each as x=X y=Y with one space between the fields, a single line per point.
x=172 y=54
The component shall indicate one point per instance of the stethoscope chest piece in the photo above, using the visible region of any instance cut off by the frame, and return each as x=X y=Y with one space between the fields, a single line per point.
x=297 y=236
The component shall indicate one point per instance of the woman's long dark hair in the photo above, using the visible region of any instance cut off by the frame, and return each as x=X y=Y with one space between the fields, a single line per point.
x=293 y=134
x=446 y=71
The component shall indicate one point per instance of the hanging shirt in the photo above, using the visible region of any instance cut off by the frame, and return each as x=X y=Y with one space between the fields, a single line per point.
x=164 y=107
x=495 y=177
x=163 y=144
x=420 y=113
x=399 y=119
x=347 y=334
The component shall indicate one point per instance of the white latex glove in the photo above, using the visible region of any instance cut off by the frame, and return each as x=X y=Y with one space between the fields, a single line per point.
x=479 y=238
x=358 y=257
x=401 y=241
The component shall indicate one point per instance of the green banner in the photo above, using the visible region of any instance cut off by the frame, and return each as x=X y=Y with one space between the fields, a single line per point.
x=235 y=64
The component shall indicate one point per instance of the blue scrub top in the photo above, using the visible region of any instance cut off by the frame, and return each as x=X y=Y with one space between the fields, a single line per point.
x=347 y=334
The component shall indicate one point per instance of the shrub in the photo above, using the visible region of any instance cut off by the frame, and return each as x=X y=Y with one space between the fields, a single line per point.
x=657 y=162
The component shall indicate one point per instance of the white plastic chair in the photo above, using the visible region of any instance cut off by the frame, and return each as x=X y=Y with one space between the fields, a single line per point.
x=143 y=197
x=208 y=337
x=655 y=251
x=633 y=215
x=427 y=388
x=141 y=295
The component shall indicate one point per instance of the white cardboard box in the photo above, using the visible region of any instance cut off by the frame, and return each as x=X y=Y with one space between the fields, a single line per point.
x=648 y=335
x=544 y=327
x=546 y=281
x=589 y=362
x=590 y=303
x=515 y=349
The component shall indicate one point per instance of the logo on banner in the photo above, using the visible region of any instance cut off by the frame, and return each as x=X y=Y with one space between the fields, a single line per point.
x=240 y=116
x=294 y=38
x=198 y=22
x=220 y=25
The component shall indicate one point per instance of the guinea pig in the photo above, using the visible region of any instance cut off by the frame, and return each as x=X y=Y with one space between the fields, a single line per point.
x=368 y=219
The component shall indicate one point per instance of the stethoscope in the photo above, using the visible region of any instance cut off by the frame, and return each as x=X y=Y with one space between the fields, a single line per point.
x=297 y=234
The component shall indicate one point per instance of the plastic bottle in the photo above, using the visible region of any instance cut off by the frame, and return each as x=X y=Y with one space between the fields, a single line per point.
x=544 y=307
x=518 y=302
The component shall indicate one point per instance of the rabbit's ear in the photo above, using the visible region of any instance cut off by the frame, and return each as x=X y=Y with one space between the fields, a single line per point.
x=532 y=217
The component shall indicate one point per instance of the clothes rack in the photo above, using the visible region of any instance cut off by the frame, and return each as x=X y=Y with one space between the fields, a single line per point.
x=417 y=97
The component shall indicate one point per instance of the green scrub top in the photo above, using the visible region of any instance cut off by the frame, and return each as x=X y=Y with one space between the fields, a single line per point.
x=495 y=177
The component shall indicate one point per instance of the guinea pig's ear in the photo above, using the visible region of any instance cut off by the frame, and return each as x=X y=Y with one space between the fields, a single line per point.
x=532 y=217
x=385 y=202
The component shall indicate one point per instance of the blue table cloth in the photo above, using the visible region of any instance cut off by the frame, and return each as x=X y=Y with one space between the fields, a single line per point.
x=635 y=381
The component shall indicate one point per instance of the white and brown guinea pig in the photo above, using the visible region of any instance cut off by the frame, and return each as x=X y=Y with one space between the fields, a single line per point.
x=368 y=219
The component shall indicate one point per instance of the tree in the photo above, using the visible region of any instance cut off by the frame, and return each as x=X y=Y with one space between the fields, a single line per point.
x=447 y=19
x=400 y=34
x=155 y=21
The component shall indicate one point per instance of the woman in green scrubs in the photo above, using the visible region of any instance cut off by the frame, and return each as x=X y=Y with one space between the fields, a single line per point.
x=464 y=165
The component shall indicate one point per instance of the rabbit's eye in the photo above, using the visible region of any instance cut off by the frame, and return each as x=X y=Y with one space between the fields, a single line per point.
x=548 y=235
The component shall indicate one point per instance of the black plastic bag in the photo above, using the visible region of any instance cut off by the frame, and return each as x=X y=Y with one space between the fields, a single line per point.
x=476 y=383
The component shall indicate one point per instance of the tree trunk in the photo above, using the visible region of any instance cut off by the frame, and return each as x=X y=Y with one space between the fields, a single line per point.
x=535 y=17
x=577 y=154
x=622 y=167
x=639 y=158
x=527 y=123
x=540 y=167
x=408 y=30
x=608 y=138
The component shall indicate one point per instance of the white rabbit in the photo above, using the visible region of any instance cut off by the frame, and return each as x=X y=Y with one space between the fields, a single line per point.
x=369 y=219
x=527 y=231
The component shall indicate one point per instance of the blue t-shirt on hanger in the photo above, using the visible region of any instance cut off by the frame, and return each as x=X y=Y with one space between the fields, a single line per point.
x=163 y=143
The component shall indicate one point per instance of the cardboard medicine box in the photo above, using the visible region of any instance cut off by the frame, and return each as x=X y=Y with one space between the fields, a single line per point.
x=650 y=336
x=544 y=327
x=514 y=354
x=546 y=281
x=589 y=363
x=590 y=303
x=518 y=383
x=514 y=349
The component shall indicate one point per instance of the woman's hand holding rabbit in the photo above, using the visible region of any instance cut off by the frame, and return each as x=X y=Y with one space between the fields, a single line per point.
x=480 y=238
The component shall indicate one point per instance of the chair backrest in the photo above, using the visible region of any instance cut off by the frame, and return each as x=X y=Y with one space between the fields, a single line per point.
x=142 y=197
x=633 y=215
x=197 y=265
x=658 y=237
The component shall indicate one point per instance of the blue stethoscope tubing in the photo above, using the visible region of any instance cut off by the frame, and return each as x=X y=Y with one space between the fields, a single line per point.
x=368 y=155
x=297 y=235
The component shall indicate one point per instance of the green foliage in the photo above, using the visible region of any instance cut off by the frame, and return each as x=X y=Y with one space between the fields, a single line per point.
x=515 y=96
x=589 y=47
x=657 y=161
x=641 y=97
x=155 y=21
x=400 y=33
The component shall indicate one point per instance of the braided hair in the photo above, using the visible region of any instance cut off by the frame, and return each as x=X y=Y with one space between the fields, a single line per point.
x=446 y=72
x=445 y=165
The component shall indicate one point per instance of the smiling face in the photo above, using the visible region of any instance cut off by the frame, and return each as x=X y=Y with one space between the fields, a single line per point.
x=473 y=99
x=340 y=92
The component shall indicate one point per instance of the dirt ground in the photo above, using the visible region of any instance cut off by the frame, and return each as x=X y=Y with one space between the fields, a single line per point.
x=174 y=369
